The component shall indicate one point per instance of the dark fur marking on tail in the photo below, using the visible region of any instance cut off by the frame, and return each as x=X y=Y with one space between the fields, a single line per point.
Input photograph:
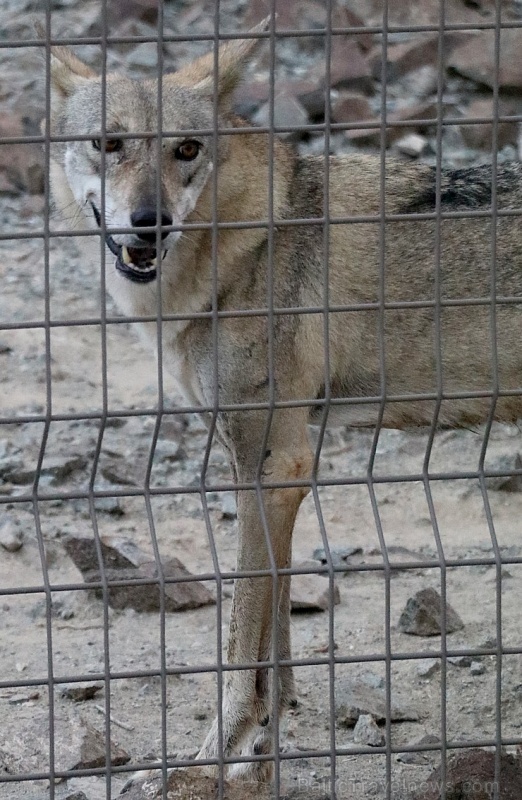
x=470 y=187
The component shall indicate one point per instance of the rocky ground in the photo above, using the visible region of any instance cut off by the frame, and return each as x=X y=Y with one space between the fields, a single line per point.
x=83 y=633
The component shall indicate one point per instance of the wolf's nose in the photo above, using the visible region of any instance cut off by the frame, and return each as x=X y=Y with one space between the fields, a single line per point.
x=147 y=218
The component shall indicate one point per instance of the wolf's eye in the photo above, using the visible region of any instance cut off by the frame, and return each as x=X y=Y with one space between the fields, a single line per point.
x=187 y=151
x=111 y=145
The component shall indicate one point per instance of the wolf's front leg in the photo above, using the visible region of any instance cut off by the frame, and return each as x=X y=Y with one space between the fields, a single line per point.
x=266 y=519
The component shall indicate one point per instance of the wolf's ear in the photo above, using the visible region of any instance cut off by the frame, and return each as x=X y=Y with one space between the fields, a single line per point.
x=233 y=57
x=67 y=71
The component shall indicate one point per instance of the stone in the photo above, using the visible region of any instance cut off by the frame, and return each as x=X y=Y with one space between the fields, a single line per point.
x=413 y=145
x=81 y=691
x=339 y=555
x=144 y=56
x=168 y=450
x=248 y=97
x=476 y=59
x=427 y=667
x=124 y=561
x=77 y=743
x=370 y=137
x=470 y=774
x=480 y=135
x=356 y=698
x=312 y=593
x=424 y=113
x=180 y=596
x=79 y=795
x=422 y=615
x=477 y=668
x=460 y=661
x=59 y=468
x=117 y=474
x=109 y=505
x=505 y=483
x=192 y=783
x=288 y=113
x=349 y=67
x=367 y=732
x=117 y=552
x=143 y=10
x=408 y=56
x=11 y=536
x=351 y=107
x=55 y=468
x=228 y=505
x=16 y=699
x=419 y=757
x=307 y=15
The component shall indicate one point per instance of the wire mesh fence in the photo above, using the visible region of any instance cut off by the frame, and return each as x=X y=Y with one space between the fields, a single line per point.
x=374 y=294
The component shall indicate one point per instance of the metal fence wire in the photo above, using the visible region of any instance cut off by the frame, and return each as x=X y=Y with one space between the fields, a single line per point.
x=415 y=510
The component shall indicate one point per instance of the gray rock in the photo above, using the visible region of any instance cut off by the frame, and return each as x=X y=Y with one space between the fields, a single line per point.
x=56 y=469
x=117 y=552
x=168 y=450
x=123 y=560
x=477 y=668
x=505 y=483
x=117 y=474
x=75 y=796
x=357 y=698
x=228 y=505
x=77 y=744
x=109 y=505
x=79 y=692
x=367 y=732
x=184 y=784
x=373 y=680
x=421 y=756
x=413 y=145
x=422 y=615
x=460 y=661
x=476 y=60
x=312 y=593
x=145 y=55
x=288 y=113
x=427 y=667
x=11 y=536
x=17 y=699
x=148 y=597
x=339 y=555
x=12 y=470
x=470 y=774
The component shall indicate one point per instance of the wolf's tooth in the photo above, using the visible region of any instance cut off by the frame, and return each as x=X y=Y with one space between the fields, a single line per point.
x=125 y=255
x=154 y=262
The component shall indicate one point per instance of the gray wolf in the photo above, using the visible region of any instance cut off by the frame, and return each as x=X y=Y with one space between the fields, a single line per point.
x=452 y=357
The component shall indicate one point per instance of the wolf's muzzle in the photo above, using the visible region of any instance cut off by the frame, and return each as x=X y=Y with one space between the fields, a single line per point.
x=138 y=264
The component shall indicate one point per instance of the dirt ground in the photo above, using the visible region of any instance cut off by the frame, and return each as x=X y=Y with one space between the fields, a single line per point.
x=77 y=629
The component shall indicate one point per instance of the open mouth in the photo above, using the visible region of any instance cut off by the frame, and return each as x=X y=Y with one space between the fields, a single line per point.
x=138 y=264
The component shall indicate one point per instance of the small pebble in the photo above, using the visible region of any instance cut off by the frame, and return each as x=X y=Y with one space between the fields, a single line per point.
x=367 y=732
x=11 y=536
x=477 y=668
x=460 y=661
x=428 y=667
x=228 y=505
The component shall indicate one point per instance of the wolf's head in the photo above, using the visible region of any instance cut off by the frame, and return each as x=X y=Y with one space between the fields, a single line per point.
x=147 y=149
